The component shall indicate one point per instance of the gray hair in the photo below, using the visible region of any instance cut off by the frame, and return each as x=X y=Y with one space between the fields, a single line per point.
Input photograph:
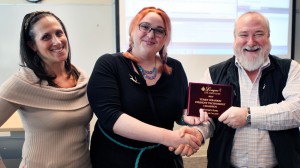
x=266 y=20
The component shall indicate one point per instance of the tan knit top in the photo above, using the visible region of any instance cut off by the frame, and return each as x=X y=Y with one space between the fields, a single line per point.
x=55 y=120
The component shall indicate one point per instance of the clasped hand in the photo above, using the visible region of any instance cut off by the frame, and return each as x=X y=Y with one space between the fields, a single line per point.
x=234 y=117
x=194 y=136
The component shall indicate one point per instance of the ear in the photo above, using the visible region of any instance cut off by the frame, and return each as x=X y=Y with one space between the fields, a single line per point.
x=32 y=45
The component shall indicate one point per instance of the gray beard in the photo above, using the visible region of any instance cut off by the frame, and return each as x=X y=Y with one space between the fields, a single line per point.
x=254 y=63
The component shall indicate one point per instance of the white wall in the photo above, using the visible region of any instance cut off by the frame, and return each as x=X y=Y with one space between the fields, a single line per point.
x=90 y=26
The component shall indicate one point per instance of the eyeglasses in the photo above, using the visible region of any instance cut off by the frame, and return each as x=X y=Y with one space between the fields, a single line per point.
x=158 y=32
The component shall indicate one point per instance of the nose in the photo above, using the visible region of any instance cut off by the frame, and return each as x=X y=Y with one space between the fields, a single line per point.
x=56 y=40
x=150 y=33
x=251 y=41
x=150 y=29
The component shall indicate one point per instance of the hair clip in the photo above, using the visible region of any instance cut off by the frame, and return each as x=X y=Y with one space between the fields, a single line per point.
x=134 y=79
x=31 y=16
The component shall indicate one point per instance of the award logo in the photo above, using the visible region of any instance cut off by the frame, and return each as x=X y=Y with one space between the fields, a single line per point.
x=213 y=98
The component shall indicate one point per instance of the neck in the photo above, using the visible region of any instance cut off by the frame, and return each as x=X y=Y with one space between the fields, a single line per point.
x=144 y=57
x=56 y=69
x=147 y=63
x=252 y=74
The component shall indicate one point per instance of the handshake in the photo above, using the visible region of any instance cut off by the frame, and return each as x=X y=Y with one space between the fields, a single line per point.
x=187 y=140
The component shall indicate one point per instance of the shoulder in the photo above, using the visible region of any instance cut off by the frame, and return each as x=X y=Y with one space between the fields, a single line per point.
x=295 y=64
x=110 y=60
x=17 y=83
x=282 y=64
x=174 y=63
x=224 y=65
x=110 y=63
x=110 y=57
x=26 y=74
x=282 y=61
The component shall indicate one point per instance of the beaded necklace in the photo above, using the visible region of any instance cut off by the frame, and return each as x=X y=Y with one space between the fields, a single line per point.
x=149 y=74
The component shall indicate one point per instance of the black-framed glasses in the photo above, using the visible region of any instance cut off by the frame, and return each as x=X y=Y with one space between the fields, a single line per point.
x=146 y=27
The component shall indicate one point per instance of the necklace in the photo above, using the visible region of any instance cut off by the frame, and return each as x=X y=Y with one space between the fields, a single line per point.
x=148 y=74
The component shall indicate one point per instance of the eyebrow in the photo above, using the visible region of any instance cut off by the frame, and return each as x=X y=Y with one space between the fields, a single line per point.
x=151 y=25
x=258 y=31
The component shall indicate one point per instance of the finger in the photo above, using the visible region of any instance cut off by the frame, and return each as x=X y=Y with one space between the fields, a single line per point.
x=185 y=112
x=185 y=150
x=192 y=121
x=227 y=121
x=179 y=149
x=223 y=116
x=190 y=152
x=188 y=130
x=199 y=137
x=192 y=134
x=233 y=125
x=202 y=115
x=171 y=149
x=206 y=117
x=194 y=142
x=182 y=131
x=197 y=121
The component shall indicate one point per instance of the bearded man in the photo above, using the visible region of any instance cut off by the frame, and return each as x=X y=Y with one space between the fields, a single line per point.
x=261 y=129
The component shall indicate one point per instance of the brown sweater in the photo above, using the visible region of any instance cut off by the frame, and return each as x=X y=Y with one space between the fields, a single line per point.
x=55 y=120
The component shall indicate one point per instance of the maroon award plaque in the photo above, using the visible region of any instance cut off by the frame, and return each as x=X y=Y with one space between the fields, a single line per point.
x=213 y=98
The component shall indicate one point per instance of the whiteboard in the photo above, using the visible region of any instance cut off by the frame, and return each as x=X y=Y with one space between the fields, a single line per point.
x=90 y=27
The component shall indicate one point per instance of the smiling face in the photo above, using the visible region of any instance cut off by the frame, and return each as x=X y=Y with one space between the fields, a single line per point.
x=251 y=43
x=148 y=43
x=50 y=41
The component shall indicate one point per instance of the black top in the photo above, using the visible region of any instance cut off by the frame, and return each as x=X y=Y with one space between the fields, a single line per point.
x=115 y=88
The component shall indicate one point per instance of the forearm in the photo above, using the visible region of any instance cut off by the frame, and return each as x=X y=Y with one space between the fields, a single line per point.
x=132 y=128
x=285 y=115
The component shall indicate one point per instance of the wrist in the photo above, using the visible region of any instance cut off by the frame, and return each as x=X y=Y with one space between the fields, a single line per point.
x=248 y=116
x=181 y=121
x=167 y=136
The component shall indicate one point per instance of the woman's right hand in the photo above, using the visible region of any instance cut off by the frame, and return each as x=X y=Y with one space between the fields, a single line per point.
x=187 y=139
x=187 y=149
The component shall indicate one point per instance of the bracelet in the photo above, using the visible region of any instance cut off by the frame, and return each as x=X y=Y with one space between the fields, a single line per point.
x=181 y=122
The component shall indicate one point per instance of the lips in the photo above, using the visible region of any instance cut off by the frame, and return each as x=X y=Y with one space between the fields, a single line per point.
x=252 y=49
x=149 y=42
x=58 y=50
